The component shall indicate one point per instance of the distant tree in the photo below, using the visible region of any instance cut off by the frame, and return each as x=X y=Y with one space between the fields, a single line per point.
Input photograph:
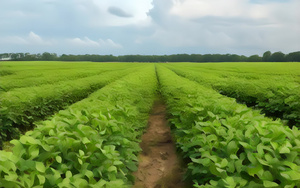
x=195 y=58
x=293 y=57
x=277 y=57
x=234 y=58
x=266 y=56
x=255 y=58
x=48 y=56
x=15 y=56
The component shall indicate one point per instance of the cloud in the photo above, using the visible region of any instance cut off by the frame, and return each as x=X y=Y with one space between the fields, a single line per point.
x=34 y=38
x=233 y=26
x=149 y=26
x=31 y=39
x=118 y=12
x=83 y=42
x=86 y=42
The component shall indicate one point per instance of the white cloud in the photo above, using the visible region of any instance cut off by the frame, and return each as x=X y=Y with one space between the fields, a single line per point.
x=31 y=39
x=83 y=42
x=224 y=8
x=34 y=38
x=86 y=42
x=231 y=26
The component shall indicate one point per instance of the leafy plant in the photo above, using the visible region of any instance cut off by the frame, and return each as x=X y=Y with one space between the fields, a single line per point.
x=20 y=108
x=277 y=96
x=93 y=143
x=228 y=144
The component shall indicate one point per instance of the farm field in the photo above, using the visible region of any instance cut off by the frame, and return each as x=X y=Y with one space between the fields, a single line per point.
x=80 y=124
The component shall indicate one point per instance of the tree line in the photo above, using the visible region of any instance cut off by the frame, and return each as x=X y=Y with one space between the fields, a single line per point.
x=46 y=56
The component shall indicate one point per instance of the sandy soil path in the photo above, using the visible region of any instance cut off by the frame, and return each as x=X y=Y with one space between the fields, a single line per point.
x=159 y=165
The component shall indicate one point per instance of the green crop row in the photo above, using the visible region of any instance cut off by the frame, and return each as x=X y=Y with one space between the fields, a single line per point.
x=228 y=144
x=42 y=73
x=261 y=68
x=93 y=143
x=278 y=97
x=21 y=107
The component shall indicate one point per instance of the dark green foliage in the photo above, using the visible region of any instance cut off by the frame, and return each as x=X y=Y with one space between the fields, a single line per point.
x=20 y=108
x=293 y=57
x=228 y=144
x=277 y=57
x=278 y=98
x=5 y=72
x=93 y=143
x=267 y=57
x=254 y=58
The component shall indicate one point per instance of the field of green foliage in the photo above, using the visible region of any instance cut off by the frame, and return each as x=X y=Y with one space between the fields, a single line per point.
x=79 y=124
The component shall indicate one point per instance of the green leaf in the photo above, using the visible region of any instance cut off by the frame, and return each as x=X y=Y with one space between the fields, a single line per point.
x=291 y=175
x=224 y=163
x=85 y=140
x=41 y=179
x=18 y=148
x=118 y=163
x=33 y=150
x=267 y=176
x=132 y=166
x=263 y=162
x=115 y=183
x=232 y=147
x=68 y=174
x=112 y=169
x=78 y=182
x=248 y=133
x=284 y=149
x=40 y=166
x=205 y=161
x=254 y=170
x=89 y=174
x=238 y=165
x=274 y=145
x=211 y=114
x=251 y=158
x=245 y=145
x=81 y=153
x=269 y=184
x=28 y=139
x=11 y=177
x=230 y=167
x=4 y=155
x=230 y=182
x=58 y=159
x=53 y=178
x=7 y=166
x=233 y=156
x=260 y=149
x=100 y=183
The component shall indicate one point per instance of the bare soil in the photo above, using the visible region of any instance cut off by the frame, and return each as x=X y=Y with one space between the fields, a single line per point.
x=159 y=165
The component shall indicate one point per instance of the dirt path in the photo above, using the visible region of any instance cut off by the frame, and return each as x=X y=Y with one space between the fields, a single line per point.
x=159 y=166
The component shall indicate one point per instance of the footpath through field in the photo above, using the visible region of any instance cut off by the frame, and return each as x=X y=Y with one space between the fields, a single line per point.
x=159 y=165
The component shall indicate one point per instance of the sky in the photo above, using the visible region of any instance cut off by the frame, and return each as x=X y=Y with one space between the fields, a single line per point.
x=149 y=27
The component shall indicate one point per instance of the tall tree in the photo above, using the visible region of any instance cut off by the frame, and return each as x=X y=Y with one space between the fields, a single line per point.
x=294 y=57
x=254 y=58
x=277 y=57
x=266 y=56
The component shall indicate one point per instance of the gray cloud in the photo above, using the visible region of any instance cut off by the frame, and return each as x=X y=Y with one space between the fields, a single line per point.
x=119 y=12
x=248 y=34
x=163 y=27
